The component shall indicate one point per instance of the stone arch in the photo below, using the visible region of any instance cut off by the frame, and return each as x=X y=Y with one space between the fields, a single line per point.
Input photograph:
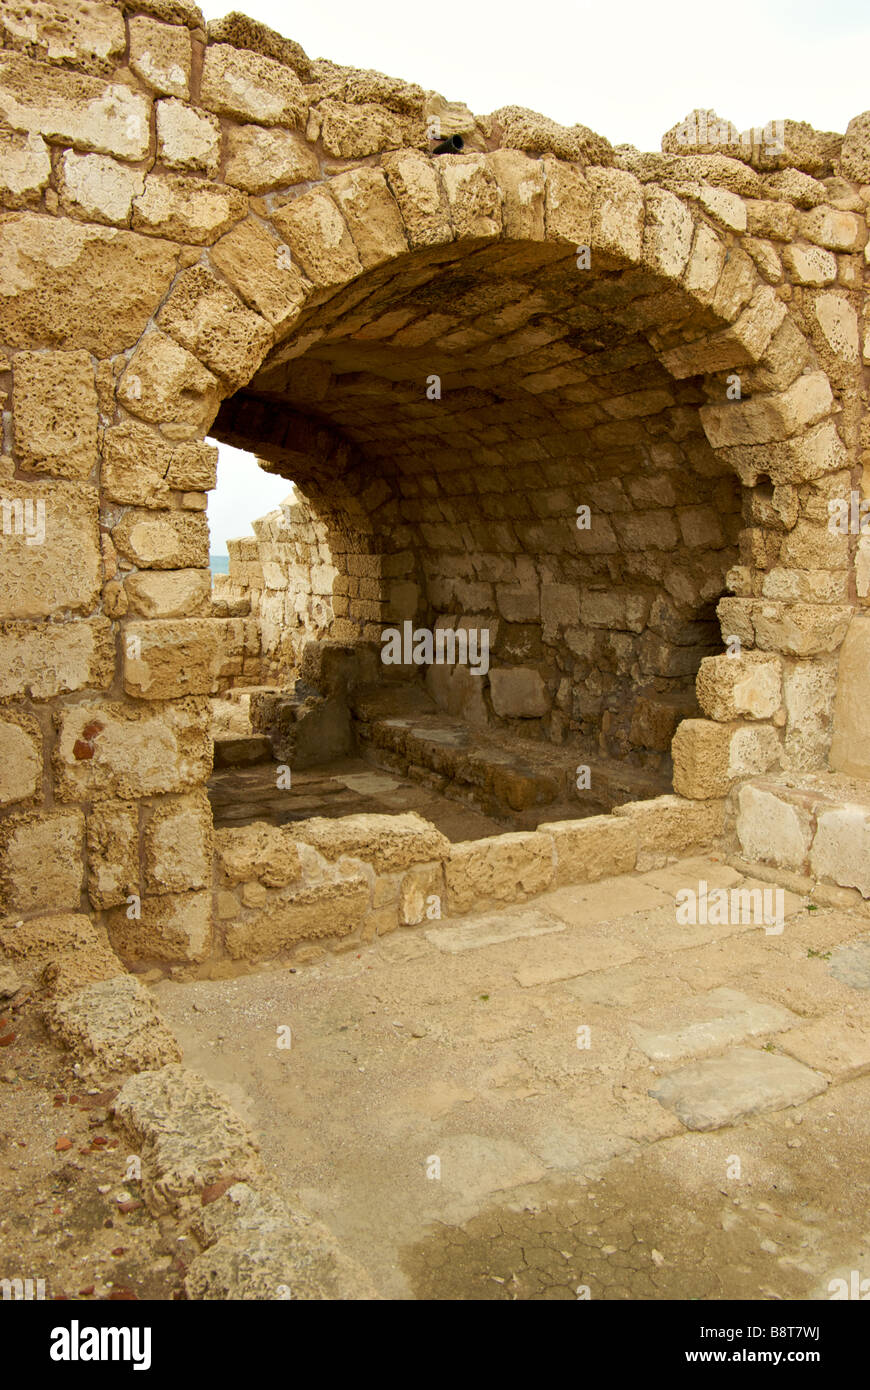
x=178 y=228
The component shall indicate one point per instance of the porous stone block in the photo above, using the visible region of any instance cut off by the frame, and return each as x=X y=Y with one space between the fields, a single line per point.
x=318 y=237
x=498 y=869
x=64 y=282
x=177 y=844
x=140 y=466
x=673 y=824
x=187 y=208
x=161 y=55
x=261 y=268
x=260 y=159
x=386 y=842
x=592 y=848
x=709 y=756
x=74 y=109
x=259 y=851
x=415 y=186
x=748 y=686
x=41 y=860
x=168 y=593
x=205 y=317
x=251 y=87
x=49 y=549
x=41 y=660
x=187 y=139
x=20 y=757
x=772 y=830
x=62 y=951
x=83 y=33
x=162 y=540
x=764 y=419
x=421 y=895
x=113 y=852
x=167 y=385
x=334 y=906
x=98 y=188
x=170 y=927
x=25 y=168
x=372 y=215
x=131 y=750
x=113 y=1026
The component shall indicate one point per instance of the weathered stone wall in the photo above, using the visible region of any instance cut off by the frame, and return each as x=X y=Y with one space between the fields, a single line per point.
x=196 y=217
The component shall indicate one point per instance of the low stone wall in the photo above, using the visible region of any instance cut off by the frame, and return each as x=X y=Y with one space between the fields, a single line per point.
x=817 y=826
x=296 y=890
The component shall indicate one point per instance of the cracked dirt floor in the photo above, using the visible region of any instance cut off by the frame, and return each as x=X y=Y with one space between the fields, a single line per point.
x=558 y=1171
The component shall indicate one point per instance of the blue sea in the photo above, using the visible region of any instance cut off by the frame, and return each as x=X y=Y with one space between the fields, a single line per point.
x=219 y=564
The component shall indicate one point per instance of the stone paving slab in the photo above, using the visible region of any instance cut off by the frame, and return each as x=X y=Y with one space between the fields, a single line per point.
x=589 y=904
x=576 y=953
x=851 y=965
x=838 y=1048
x=706 y=1023
x=471 y=934
x=723 y=1090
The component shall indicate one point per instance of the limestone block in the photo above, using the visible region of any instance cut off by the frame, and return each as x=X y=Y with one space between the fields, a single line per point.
x=25 y=168
x=41 y=861
x=372 y=215
x=20 y=757
x=161 y=55
x=74 y=109
x=113 y=1026
x=521 y=183
x=617 y=212
x=748 y=686
x=172 y=927
x=855 y=151
x=502 y=868
x=169 y=657
x=86 y=34
x=850 y=748
x=131 y=750
x=205 y=317
x=113 y=853
x=709 y=756
x=763 y=419
x=332 y=907
x=705 y=265
x=387 y=842
x=841 y=848
x=184 y=593
x=162 y=540
x=98 y=188
x=140 y=466
x=473 y=196
x=725 y=207
x=421 y=895
x=41 y=660
x=671 y=824
x=64 y=282
x=415 y=186
x=810 y=265
x=592 y=848
x=318 y=237
x=260 y=159
x=810 y=545
x=838 y=320
x=519 y=692
x=49 y=549
x=352 y=130
x=263 y=272
x=187 y=208
x=807 y=456
x=251 y=87
x=800 y=629
x=187 y=138
x=568 y=202
x=771 y=830
x=166 y=384
x=177 y=844
x=259 y=851
x=838 y=231
x=668 y=233
x=55 y=413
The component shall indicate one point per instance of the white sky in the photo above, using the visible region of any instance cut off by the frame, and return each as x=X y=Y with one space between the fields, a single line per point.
x=629 y=70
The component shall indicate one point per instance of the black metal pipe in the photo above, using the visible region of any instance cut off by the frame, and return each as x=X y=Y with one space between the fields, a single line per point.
x=452 y=145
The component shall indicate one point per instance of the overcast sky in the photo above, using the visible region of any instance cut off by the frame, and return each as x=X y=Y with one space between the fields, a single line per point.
x=629 y=70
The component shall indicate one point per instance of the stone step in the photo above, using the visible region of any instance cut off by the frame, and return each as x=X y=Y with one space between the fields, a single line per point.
x=241 y=750
x=745 y=1081
x=816 y=824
